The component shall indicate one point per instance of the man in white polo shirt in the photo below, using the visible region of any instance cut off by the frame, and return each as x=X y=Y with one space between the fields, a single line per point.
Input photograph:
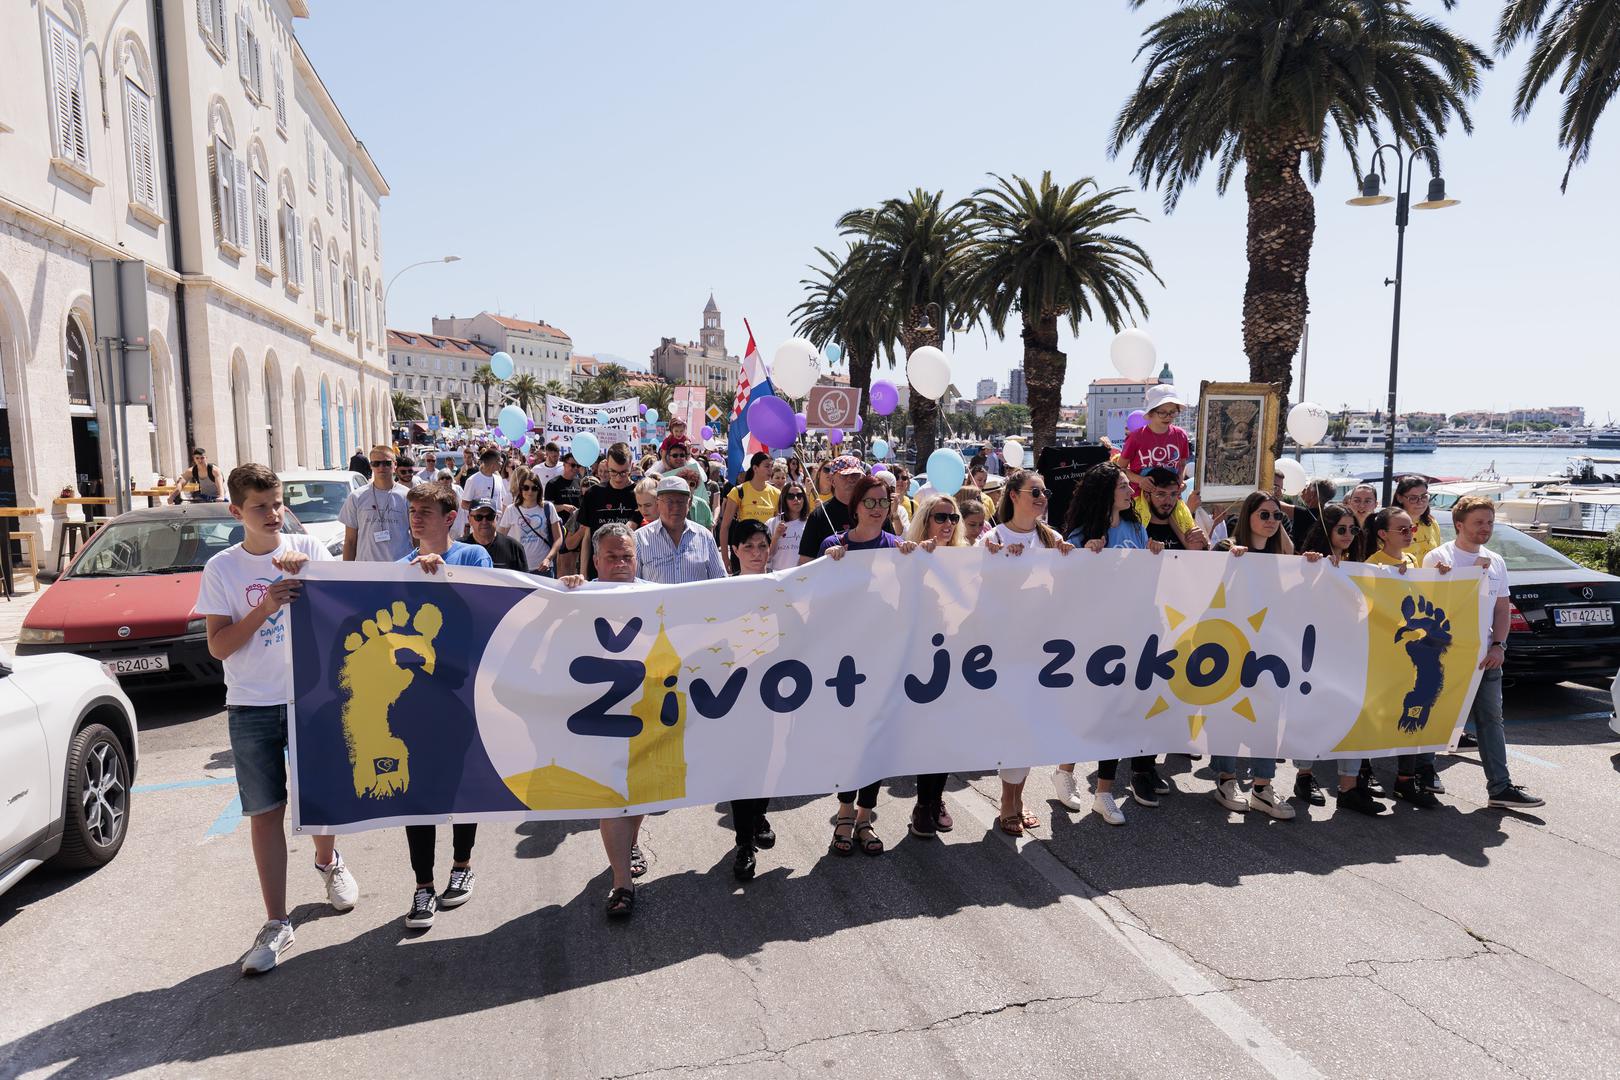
x=376 y=518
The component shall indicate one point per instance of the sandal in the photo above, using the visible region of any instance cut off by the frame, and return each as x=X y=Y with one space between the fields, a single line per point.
x=620 y=903
x=638 y=862
x=1012 y=824
x=871 y=844
x=843 y=843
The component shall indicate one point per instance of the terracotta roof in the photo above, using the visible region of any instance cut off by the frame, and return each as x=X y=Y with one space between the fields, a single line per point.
x=439 y=343
x=529 y=327
x=992 y=400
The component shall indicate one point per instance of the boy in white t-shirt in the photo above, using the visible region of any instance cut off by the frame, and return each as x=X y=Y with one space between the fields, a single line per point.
x=486 y=484
x=1474 y=518
x=244 y=596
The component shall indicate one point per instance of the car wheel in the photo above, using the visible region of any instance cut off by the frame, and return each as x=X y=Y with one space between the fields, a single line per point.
x=97 y=799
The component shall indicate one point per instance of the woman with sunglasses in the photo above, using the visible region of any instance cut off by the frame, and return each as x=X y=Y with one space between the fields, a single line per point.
x=822 y=490
x=1260 y=528
x=937 y=524
x=750 y=554
x=786 y=529
x=868 y=513
x=1023 y=528
x=1412 y=495
x=1334 y=541
x=1102 y=514
x=533 y=522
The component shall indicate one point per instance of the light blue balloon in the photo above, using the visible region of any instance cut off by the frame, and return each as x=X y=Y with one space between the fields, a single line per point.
x=501 y=365
x=586 y=449
x=652 y=416
x=946 y=470
x=916 y=486
x=880 y=449
x=514 y=422
x=602 y=417
x=833 y=352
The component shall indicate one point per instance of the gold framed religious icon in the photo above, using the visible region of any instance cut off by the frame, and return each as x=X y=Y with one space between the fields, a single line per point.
x=1237 y=427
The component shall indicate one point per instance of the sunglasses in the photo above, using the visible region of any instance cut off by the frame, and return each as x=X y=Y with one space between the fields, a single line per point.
x=528 y=487
x=794 y=495
x=382 y=464
x=483 y=517
x=1269 y=515
x=1404 y=530
x=1346 y=530
x=942 y=518
x=1038 y=493
x=875 y=504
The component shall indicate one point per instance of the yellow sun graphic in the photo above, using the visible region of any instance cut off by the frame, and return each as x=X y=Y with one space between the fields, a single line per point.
x=1209 y=663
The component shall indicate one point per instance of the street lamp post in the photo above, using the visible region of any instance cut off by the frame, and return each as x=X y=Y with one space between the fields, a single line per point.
x=384 y=329
x=1436 y=200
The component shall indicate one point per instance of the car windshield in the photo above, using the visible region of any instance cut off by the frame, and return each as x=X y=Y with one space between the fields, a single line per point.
x=314 y=500
x=1519 y=551
x=163 y=545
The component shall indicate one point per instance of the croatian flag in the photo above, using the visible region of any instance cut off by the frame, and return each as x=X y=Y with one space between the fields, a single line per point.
x=752 y=383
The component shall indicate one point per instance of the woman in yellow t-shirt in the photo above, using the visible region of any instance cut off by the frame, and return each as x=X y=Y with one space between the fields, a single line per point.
x=1412 y=495
x=753 y=499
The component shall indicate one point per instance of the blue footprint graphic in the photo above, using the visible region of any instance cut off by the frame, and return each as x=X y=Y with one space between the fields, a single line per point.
x=1427 y=635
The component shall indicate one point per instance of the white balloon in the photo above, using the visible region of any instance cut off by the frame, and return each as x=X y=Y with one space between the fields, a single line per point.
x=929 y=372
x=1012 y=452
x=1308 y=423
x=1133 y=354
x=793 y=368
x=1292 y=474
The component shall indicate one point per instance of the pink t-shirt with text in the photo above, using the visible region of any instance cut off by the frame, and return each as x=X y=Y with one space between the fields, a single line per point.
x=1144 y=450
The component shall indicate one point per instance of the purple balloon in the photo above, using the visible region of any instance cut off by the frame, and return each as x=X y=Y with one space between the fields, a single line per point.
x=643 y=409
x=770 y=420
x=834 y=436
x=707 y=432
x=885 y=398
x=1135 y=422
x=802 y=422
x=531 y=425
x=859 y=423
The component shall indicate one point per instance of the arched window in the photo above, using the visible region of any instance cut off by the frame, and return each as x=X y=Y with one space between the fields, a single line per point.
x=76 y=362
x=262 y=251
x=229 y=173
x=272 y=412
x=302 y=448
x=326 y=428
x=140 y=127
x=239 y=408
x=343 y=428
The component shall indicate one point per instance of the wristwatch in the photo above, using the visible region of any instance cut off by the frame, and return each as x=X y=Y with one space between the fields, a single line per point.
x=1499 y=645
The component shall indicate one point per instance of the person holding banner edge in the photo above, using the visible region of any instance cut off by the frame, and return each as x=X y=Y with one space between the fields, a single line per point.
x=750 y=554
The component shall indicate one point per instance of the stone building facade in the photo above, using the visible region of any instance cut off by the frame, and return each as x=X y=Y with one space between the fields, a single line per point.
x=260 y=230
x=699 y=363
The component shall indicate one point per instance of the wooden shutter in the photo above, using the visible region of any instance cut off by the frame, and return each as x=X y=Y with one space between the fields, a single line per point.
x=309 y=156
x=67 y=92
x=363 y=240
x=328 y=160
x=343 y=195
x=256 y=68
x=242 y=46
x=244 y=210
x=318 y=281
x=281 y=97
x=261 y=219
x=224 y=163
x=297 y=242
x=142 y=156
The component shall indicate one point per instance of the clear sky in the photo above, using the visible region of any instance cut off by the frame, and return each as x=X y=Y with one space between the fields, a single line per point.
x=604 y=166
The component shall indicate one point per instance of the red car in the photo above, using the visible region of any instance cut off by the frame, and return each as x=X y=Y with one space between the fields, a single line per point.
x=129 y=598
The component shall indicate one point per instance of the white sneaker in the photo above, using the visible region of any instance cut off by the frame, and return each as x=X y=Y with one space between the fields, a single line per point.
x=1228 y=795
x=1068 y=790
x=1104 y=806
x=1266 y=801
x=275 y=937
x=341 y=888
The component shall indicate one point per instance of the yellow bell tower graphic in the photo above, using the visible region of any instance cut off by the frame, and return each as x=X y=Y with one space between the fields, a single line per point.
x=658 y=754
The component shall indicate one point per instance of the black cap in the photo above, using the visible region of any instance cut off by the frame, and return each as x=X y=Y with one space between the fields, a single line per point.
x=1162 y=476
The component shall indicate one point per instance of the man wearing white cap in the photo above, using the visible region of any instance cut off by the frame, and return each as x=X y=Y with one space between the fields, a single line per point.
x=673 y=550
x=1159 y=443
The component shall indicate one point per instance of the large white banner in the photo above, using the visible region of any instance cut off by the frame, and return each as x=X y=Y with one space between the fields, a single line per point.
x=565 y=419
x=480 y=694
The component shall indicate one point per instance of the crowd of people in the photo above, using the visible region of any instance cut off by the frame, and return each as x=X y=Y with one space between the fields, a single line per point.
x=639 y=520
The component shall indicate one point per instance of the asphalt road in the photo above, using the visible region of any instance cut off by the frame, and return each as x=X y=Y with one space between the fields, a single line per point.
x=1459 y=942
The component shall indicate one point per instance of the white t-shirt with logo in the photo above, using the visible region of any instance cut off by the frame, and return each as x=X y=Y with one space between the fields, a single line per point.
x=1496 y=576
x=546 y=473
x=233 y=583
x=1006 y=535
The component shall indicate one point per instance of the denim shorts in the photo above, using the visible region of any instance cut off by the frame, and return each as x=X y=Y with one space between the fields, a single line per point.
x=259 y=747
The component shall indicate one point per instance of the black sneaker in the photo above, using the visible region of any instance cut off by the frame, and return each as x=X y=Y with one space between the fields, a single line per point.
x=1161 y=786
x=1145 y=788
x=1466 y=741
x=764 y=837
x=743 y=868
x=459 y=891
x=1306 y=787
x=1414 y=793
x=1360 y=800
x=424 y=905
x=1369 y=779
x=1429 y=780
x=1514 y=797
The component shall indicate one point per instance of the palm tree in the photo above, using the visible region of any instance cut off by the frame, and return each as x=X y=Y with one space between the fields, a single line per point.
x=909 y=258
x=656 y=395
x=857 y=322
x=1258 y=83
x=1049 y=253
x=1583 y=38
x=405 y=406
x=484 y=378
x=609 y=383
x=523 y=389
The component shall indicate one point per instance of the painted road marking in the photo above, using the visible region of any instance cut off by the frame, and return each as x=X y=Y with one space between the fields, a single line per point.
x=176 y=785
x=229 y=818
x=1532 y=759
x=1249 y=1035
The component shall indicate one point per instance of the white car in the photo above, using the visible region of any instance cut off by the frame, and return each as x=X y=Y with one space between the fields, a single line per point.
x=67 y=763
x=315 y=496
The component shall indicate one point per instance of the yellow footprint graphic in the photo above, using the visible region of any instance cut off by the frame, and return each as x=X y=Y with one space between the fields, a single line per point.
x=372 y=680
